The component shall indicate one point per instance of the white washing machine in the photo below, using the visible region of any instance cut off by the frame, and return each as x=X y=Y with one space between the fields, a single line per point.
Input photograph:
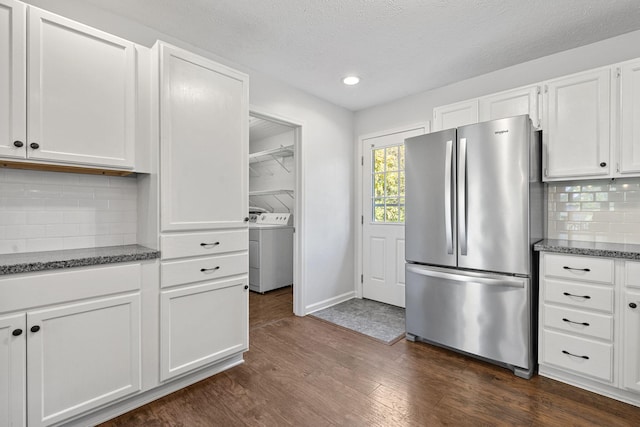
x=271 y=252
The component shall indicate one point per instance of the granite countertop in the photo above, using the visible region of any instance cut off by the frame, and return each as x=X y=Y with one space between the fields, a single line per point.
x=609 y=250
x=51 y=260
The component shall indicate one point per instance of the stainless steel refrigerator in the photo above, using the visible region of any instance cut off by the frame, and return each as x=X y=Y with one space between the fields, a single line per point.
x=474 y=209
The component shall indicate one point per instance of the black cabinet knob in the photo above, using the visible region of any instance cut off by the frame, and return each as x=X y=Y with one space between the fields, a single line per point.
x=35 y=328
x=34 y=145
x=16 y=332
x=18 y=144
x=246 y=219
x=246 y=286
x=603 y=164
x=633 y=305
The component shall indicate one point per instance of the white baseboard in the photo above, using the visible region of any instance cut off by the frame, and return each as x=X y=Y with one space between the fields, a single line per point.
x=136 y=401
x=329 y=302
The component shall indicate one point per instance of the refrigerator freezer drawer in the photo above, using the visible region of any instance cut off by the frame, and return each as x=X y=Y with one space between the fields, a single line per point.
x=485 y=315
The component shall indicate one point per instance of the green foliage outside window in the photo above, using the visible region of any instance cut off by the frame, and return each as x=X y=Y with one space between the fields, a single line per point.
x=388 y=184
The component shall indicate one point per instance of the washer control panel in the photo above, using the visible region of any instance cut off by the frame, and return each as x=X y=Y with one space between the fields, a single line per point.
x=275 y=218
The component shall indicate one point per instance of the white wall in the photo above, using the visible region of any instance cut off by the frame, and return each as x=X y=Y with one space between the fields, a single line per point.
x=327 y=156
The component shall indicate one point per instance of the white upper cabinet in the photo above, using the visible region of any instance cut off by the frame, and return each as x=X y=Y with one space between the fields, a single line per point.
x=12 y=79
x=629 y=139
x=204 y=143
x=454 y=115
x=81 y=93
x=511 y=103
x=577 y=126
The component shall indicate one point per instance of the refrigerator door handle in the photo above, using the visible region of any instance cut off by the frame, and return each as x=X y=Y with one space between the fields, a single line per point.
x=447 y=196
x=484 y=280
x=462 y=196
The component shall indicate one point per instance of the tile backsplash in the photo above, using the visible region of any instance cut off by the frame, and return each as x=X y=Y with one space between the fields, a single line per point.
x=44 y=211
x=596 y=211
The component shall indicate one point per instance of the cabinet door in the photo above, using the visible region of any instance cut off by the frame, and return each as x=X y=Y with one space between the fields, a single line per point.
x=202 y=324
x=511 y=103
x=454 y=115
x=203 y=143
x=81 y=104
x=13 y=359
x=83 y=356
x=13 y=93
x=629 y=148
x=577 y=125
x=631 y=341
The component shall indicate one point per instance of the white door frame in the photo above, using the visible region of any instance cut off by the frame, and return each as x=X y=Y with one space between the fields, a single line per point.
x=299 y=259
x=358 y=222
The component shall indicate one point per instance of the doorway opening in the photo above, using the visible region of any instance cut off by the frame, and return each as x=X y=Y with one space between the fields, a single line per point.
x=275 y=209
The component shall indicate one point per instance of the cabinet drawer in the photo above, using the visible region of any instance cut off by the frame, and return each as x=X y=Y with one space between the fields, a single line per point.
x=579 y=322
x=26 y=290
x=578 y=354
x=206 y=268
x=584 y=269
x=199 y=244
x=632 y=274
x=578 y=295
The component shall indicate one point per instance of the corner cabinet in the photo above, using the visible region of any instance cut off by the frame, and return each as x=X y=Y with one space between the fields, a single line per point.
x=203 y=142
x=72 y=91
x=576 y=139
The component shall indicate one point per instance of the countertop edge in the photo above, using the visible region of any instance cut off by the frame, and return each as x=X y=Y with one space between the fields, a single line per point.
x=139 y=253
x=575 y=249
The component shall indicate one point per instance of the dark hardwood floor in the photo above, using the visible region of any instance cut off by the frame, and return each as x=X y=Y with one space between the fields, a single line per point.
x=306 y=372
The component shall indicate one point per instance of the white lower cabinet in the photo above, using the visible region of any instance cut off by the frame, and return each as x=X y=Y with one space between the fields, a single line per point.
x=13 y=368
x=589 y=324
x=70 y=350
x=81 y=356
x=201 y=324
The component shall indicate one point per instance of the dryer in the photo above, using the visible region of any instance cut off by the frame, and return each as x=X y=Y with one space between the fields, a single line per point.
x=271 y=252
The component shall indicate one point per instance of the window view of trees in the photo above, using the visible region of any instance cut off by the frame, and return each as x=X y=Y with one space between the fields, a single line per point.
x=388 y=184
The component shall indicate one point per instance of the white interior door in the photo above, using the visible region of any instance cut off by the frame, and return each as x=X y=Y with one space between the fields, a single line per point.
x=383 y=216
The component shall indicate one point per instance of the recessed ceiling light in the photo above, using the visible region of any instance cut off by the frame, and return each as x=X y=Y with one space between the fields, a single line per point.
x=351 y=80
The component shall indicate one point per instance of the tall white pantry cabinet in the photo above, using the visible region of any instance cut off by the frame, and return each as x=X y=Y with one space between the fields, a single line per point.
x=203 y=199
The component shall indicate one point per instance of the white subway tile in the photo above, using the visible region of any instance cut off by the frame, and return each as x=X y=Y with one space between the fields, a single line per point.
x=79 y=217
x=77 y=192
x=44 y=217
x=42 y=191
x=25 y=231
x=44 y=244
x=60 y=204
x=93 y=229
x=62 y=230
x=8 y=189
x=94 y=180
x=109 y=240
x=129 y=239
x=79 y=242
x=11 y=218
x=98 y=205
x=22 y=204
x=12 y=246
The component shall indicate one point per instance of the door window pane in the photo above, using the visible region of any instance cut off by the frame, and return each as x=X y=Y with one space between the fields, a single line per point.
x=387 y=198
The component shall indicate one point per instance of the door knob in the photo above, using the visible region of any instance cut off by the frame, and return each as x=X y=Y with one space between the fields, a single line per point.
x=18 y=144
x=17 y=332
x=603 y=164
x=34 y=145
x=35 y=328
x=633 y=305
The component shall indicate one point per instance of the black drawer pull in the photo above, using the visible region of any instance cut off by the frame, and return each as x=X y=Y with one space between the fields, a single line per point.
x=577 y=296
x=633 y=305
x=575 y=355
x=576 y=269
x=16 y=332
x=204 y=270
x=577 y=323
x=35 y=328
x=209 y=245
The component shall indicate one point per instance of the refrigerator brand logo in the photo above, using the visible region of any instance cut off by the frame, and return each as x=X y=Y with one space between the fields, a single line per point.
x=498 y=132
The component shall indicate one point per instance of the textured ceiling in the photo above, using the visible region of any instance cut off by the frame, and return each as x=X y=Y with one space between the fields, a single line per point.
x=397 y=47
